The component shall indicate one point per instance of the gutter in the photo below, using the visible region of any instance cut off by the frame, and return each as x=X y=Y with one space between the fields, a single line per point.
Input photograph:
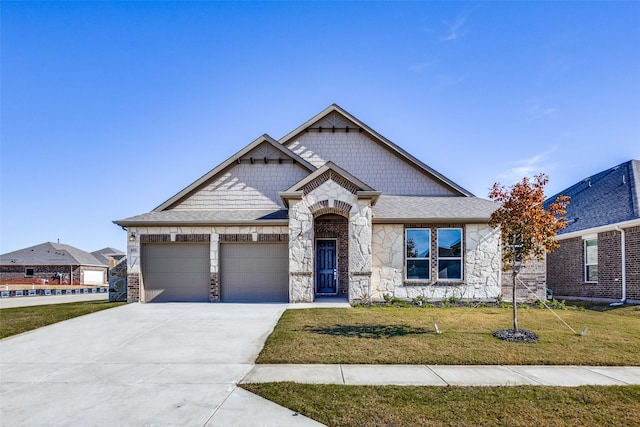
x=624 y=264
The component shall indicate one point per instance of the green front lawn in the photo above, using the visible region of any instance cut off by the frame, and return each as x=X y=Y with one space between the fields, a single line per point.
x=17 y=320
x=340 y=405
x=394 y=335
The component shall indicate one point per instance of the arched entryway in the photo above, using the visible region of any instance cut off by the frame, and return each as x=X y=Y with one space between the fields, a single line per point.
x=331 y=271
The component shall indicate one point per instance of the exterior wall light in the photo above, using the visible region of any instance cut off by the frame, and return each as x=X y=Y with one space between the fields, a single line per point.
x=132 y=237
x=300 y=237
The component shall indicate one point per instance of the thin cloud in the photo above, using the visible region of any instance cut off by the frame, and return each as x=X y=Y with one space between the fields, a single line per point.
x=525 y=167
x=455 y=30
x=419 y=68
x=537 y=109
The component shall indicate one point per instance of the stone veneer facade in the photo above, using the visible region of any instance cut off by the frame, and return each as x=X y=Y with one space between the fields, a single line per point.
x=481 y=265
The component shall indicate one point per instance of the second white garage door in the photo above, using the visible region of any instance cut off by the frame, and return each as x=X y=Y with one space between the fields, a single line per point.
x=254 y=272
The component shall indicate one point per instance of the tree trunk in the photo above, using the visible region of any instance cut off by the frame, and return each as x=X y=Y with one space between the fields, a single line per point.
x=515 y=305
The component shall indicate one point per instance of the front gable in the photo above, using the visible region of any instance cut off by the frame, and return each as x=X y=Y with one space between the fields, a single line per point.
x=326 y=183
x=251 y=179
x=335 y=135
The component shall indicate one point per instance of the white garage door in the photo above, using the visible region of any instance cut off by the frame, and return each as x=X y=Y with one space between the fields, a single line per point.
x=93 y=277
x=175 y=272
x=254 y=272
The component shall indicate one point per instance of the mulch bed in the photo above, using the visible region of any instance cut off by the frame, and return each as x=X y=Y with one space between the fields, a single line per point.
x=521 y=335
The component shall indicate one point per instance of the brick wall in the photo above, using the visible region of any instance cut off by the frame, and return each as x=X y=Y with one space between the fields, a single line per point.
x=133 y=287
x=530 y=283
x=214 y=287
x=632 y=240
x=566 y=267
x=609 y=266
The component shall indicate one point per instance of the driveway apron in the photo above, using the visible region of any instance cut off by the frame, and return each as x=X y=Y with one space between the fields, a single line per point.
x=139 y=364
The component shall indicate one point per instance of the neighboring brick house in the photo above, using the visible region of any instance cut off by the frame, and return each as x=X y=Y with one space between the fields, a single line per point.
x=331 y=209
x=599 y=253
x=53 y=262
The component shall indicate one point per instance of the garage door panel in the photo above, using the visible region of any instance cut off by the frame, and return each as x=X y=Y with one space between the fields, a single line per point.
x=254 y=272
x=176 y=272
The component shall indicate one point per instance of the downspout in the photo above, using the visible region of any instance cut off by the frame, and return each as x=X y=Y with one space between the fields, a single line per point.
x=624 y=264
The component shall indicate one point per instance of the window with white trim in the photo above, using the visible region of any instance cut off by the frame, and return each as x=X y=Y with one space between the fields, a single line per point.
x=449 y=254
x=591 y=260
x=418 y=253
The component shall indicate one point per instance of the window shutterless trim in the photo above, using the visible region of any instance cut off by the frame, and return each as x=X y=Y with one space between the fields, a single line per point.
x=449 y=279
x=406 y=258
x=587 y=264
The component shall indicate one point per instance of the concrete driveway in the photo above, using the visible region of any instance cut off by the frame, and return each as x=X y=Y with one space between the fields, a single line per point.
x=141 y=365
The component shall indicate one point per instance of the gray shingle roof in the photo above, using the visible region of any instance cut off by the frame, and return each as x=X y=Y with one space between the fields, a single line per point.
x=50 y=254
x=388 y=208
x=606 y=198
x=102 y=255
x=202 y=217
x=433 y=209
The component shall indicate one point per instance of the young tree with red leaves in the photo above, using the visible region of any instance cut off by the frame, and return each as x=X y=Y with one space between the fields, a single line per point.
x=527 y=229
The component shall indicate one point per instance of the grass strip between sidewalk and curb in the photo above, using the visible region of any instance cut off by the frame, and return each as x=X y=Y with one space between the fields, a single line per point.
x=345 y=406
x=395 y=335
x=17 y=320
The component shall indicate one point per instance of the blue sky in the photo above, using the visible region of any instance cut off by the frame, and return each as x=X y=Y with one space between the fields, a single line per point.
x=110 y=108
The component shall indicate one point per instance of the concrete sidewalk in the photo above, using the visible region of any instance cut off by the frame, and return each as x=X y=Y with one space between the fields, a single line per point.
x=443 y=375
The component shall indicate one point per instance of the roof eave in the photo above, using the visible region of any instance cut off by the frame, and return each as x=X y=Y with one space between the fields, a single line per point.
x=134 y=223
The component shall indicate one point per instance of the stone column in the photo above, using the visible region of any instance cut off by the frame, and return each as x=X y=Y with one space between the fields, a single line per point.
x=133 y=266
x=360 y=260
x=300 y=253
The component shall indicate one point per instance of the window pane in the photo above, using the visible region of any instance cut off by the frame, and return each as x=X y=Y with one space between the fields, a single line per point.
x=592 y=273
x=418 y=243
x=449 y=269
x=418 y=269
x=591 y=252
x=449 y=242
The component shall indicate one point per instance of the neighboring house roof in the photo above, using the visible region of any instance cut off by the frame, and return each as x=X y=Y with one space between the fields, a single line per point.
x=390 y=209
x=381 y=140
x=50 y=254
x=207 y=217
x=103 y=255
x=229 y=162
x=606 y=198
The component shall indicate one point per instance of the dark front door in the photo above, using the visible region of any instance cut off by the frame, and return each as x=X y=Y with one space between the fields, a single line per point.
x=326 y=267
